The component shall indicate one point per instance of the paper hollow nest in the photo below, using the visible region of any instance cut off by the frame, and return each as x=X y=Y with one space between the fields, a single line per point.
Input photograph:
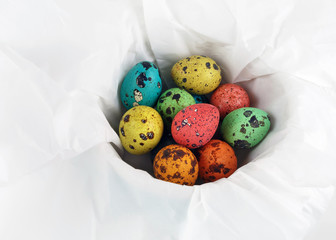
x=60 y=70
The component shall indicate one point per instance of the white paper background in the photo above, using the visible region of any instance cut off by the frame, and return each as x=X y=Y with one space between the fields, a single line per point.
x=61 y=63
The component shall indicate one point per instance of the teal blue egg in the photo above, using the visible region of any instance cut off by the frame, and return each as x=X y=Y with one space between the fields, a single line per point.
x=200 y=98
x=141 y=86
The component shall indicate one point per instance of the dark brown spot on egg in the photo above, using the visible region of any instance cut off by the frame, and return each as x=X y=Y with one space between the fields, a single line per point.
x=166 y=153
x=177 y=175
x=179 y=154
x=262 y=123
x=140 y=80
x=212 y=178
x=150 y=135
x=241 y=144
x=146 y=65
x=184 y=80
x=208 y=65
x=131 y=147
x=195 y=70
x=142 y=144
x=193 y=164
x=254 y=122
x=163 y=169
x=185 y=69
x=215 y=144
x=168 y=110
x=215 y=66
x=143 y=136
x=122 y=131
x=177 y=97
x=126 y=118
x=143 y=120
x=243 y=130
x=168 y=94
x=134 y=140
x=126 y=95
x=216 y=168
x=247 y=113
x=158 y=175
x=226 y=170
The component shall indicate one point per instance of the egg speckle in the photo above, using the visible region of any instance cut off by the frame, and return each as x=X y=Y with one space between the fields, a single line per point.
x=216 y=160
x=245 y=127
x=141 y=85
x=197 y=74
x=140 y=129
x=176 y=164
x=195 y=125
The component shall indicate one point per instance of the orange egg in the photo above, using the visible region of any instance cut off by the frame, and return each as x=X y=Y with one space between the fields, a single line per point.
x=216 y=160
x=177 y=164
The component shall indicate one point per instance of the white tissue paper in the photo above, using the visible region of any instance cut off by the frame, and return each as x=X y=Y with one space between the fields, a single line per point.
x=63 y=172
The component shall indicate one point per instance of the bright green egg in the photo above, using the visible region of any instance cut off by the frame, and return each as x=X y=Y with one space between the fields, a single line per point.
x=245 y=127
x=171 y=102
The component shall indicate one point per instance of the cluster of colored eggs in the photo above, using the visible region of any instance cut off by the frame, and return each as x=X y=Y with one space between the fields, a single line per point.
x=178 y=125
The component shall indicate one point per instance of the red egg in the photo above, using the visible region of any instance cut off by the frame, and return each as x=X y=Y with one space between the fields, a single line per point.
x=195 y=125
x=229 y=97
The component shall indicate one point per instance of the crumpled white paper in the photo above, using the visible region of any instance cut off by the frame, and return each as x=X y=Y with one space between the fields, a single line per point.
x=61 y=66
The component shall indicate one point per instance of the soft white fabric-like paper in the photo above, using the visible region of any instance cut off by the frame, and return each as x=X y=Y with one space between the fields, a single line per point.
x=61 y=66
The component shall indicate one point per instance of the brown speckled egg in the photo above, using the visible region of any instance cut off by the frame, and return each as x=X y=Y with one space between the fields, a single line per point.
x=176 y=164
x=197 y=74
x=195 y=125
x=229 y=97
x=216 y=160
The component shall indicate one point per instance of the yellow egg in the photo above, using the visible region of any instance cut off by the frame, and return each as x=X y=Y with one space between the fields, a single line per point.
x=197 y=74
x=140 y=129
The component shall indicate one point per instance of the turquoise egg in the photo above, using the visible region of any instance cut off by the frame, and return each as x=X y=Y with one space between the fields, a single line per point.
x=141 y=86
x=200 y=98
